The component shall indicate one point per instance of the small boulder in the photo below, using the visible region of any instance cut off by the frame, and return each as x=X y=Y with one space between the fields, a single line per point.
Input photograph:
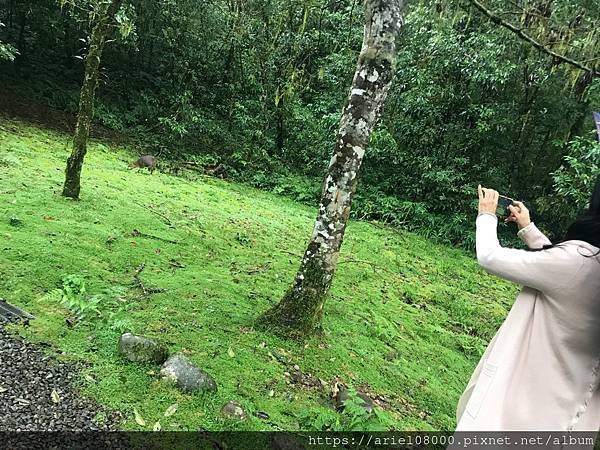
x=140 y=349
x=179 y=369
x=233 y=410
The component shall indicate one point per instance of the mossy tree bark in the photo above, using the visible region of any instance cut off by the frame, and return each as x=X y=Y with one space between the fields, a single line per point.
x=106 y=14
x=300 y=311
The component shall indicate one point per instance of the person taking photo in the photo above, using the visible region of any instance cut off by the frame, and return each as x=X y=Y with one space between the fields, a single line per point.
x=541 y=370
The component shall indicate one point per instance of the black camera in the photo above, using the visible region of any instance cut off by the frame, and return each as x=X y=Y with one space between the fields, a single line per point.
x=503 y=204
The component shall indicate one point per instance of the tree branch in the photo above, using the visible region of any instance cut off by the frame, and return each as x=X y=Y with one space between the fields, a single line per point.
x=138 y=282
x=519 y=32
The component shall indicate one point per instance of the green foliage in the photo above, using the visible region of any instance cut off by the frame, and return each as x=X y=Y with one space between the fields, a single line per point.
x=75 y=299
x=573 y=181
x=358 y=418
x=259 y=86
x=7 y=51
x=125 y=19
x=325 y=420
x=353 y=417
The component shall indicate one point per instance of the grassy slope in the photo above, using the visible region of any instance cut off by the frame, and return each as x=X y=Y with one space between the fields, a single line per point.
x=394 y=291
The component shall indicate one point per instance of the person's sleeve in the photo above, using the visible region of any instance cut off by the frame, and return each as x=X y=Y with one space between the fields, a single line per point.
x=533 y=237
x=545 y=270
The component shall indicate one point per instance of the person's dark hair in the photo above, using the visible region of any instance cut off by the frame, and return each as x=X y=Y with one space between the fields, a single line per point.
x=587 y=227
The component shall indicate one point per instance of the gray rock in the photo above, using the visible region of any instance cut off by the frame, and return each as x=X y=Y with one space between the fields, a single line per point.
x=179 y=369
x=140 y=349
x=233 y=410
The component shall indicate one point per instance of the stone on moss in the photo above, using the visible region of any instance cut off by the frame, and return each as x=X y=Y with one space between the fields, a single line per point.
x=233 y=410
x=189 y=378
x=140 y=349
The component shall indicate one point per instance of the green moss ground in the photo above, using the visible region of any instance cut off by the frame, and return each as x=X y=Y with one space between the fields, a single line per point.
x=236 y=252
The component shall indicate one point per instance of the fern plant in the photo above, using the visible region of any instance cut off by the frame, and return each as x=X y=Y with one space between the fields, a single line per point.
x=74 y=297
x=354 y=417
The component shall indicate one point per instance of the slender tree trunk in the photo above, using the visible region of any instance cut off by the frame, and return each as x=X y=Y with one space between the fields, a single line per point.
x=21 y=57
x=67 y=47
x=300 y=311
x=106 y=15
x=280 y=125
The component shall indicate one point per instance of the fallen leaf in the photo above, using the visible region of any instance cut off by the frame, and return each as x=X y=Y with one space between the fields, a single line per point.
x=157 y=427
x=271 y=393
x=90 y=378
x=55 y=396
x=138 y=418
x=230 y=352
x=171 y=410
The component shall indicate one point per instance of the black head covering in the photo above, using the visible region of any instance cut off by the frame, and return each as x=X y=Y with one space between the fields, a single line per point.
x=586 y=228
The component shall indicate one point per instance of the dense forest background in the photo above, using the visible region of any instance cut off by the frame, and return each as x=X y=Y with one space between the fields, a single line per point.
x=256 y=87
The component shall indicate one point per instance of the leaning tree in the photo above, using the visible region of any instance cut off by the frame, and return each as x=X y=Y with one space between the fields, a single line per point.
x=300 y=311
x=105 y=14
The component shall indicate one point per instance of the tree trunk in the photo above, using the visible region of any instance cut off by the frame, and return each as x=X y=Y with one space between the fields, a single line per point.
x=67 y=39
x=21 y=56
x=300 y=311
x=106 y=15
x=280 y=125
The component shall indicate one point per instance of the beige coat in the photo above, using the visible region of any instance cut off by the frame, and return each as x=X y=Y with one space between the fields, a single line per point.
x=541 y=369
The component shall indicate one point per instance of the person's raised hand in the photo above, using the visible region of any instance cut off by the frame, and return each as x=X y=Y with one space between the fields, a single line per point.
x=518 y=214
x=488 y=200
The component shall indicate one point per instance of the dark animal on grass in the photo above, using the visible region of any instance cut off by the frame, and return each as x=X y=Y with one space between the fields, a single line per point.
x=148 y=161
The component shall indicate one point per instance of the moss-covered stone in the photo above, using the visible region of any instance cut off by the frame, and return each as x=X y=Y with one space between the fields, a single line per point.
x=140 y=349
x=189 y=378
x=233 y=410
